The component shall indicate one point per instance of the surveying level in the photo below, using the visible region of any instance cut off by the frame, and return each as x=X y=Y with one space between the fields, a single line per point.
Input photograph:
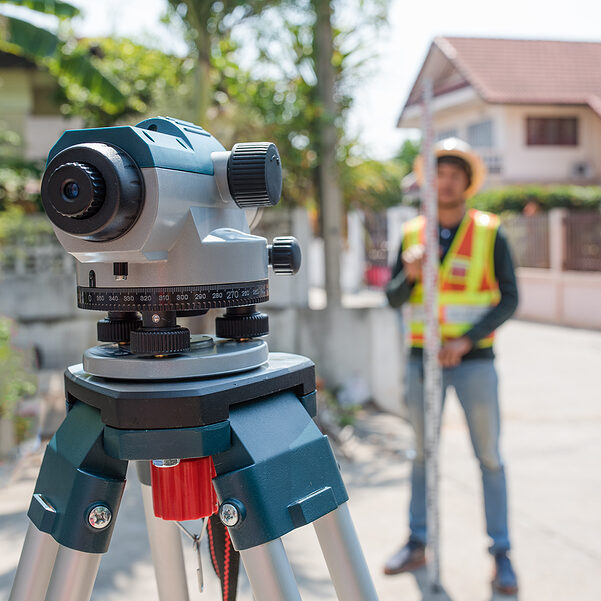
x=157 y=217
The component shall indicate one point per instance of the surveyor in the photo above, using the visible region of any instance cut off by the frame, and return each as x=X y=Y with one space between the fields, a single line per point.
x=477 y=293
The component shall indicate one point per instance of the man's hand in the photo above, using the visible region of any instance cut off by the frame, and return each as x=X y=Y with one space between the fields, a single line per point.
x=413 y=259
x=452 y=351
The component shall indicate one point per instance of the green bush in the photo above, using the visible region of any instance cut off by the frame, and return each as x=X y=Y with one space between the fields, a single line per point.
x=20 y=229
x=515 y=198
x=20 y=186
x=15 y=381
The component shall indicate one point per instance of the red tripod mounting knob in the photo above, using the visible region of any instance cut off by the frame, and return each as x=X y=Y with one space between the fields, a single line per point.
x=184 y=491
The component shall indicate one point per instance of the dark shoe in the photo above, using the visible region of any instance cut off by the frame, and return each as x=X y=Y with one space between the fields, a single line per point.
x=406 y=559
x=505 y=581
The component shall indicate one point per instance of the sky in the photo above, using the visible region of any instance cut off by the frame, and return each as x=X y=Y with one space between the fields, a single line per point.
x=401 y=49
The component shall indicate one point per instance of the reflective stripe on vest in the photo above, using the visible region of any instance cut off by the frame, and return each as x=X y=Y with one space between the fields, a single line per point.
x=467 y=284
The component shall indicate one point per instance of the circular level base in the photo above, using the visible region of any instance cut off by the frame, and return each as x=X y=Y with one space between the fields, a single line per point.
x=207 y=357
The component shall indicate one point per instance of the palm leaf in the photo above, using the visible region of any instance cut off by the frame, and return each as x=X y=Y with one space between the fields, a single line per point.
x=62 y=10
x=79 y=69
x=25 y=39
x=44 y=48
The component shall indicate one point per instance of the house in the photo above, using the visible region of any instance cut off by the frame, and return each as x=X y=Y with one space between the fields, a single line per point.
x=30 y=107
x=530 y=108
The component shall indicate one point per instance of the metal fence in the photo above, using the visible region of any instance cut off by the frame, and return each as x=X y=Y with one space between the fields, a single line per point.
x=528 y=238
x=32 y=250
x=583 y=241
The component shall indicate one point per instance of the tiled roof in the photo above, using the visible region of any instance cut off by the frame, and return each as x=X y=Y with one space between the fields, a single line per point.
x=526 y=71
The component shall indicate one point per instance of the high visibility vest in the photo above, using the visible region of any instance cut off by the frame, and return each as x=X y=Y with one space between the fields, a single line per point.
x=467 y=284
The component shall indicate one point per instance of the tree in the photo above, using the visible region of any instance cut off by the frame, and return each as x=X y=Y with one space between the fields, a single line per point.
x=148 y=79
x=54 y=50
x=330 y=189
x=317 y=42
x=204 y=23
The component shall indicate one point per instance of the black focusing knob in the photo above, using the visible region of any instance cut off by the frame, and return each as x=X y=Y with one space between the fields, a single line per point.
x=242 y=322
x=80 y=190
x=118 y=326
x=254 y=174
x=285 y=255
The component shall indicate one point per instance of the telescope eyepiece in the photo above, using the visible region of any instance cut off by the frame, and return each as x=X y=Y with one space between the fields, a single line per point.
x=77 y=189
x=93 y=191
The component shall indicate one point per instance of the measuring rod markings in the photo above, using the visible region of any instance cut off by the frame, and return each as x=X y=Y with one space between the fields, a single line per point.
x=432 y=370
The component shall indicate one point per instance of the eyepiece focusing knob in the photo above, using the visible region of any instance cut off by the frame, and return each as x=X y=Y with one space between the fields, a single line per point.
x=80 y=190
x=94 y=191
x=285 y=255
x=254 y=173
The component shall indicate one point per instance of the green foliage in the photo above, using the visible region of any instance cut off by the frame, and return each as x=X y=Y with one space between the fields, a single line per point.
x=18 y=228
x=327 y=401
x=20 y=185
x=15 y=381
x=515 y=198
x=408 y=153
x=372 y=184
x=62 y=10
x=276 y=99
x=244 y=107
x=147 y=79
x=57 y=50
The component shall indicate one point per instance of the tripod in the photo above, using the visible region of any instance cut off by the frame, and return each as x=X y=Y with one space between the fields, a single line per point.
x=250 y=411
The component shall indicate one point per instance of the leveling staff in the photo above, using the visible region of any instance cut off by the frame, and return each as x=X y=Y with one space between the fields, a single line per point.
x=477 y=293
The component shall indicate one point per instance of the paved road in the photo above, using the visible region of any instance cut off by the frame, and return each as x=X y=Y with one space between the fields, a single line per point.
x=551 y=383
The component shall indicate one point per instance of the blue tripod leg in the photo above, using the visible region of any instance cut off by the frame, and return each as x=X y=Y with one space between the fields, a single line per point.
x=73 y=511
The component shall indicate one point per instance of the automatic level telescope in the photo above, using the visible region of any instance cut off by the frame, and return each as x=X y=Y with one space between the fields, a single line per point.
x=153 y=216
x=220 y=429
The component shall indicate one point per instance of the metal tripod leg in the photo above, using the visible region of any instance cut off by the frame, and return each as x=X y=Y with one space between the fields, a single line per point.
x=165 y=546
x=35 y=566
x=269 y=572
x=344 y=557
x=73 y=575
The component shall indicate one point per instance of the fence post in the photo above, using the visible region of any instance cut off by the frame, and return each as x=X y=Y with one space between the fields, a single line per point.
x=557 y=239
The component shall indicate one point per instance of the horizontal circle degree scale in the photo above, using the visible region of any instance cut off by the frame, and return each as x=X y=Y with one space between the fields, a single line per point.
x=173 y=298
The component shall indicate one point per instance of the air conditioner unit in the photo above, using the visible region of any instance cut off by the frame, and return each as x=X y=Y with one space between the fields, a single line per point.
x=581 y=170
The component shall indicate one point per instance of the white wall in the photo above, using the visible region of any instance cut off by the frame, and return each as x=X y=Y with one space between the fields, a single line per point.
x=551 y=164
x=462 y=116
x=42 y=132
x=521 y=163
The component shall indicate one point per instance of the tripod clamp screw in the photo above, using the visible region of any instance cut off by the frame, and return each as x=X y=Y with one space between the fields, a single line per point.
x=100 y=517
x=231 y=512
x=165 y=462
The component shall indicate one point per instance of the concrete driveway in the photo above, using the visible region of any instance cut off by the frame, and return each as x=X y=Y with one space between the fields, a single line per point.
x=551 y=405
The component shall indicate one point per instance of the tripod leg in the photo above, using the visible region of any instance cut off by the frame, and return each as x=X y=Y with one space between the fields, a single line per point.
x=73 y=575
x=165 y=545
x=35 y=566
x=344 y=557
x=269 y=572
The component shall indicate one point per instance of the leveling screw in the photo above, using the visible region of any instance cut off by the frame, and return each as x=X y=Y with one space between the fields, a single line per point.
x=229 y=514
x=100 y=517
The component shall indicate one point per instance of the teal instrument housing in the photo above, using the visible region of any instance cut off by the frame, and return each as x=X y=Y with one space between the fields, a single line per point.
x=160 y=142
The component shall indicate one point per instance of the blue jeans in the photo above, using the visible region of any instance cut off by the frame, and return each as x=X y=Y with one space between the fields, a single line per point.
x=475 y=382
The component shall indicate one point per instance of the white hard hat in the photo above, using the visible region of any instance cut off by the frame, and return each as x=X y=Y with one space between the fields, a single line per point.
x=454 y=147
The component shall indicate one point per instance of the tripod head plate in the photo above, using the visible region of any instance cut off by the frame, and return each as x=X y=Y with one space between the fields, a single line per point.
x=207 y=357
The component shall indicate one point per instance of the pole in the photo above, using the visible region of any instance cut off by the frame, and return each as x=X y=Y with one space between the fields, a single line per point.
x=432 y=370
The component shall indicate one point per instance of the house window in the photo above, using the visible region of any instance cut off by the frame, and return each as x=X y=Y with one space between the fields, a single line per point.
x=479 y=135
x=446 y=133
x=552 y=131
